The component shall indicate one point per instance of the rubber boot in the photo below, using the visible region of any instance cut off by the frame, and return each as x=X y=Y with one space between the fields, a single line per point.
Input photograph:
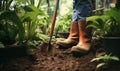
x=85 y=36
x=72 y=38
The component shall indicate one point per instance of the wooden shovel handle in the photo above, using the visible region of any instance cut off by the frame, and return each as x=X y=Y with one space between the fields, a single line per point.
x=54 y=18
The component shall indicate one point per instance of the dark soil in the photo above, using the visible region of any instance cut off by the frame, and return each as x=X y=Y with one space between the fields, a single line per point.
x=38 y=59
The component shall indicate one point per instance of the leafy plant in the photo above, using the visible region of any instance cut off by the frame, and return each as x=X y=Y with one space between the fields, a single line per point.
x=19 y=21
x=29 y=19
x=105 y=60
x=10 y=23
x=1 y=45
x=107 y=24
x=64 y=24
x=114 y=22
x=5 y=4
x=44 y=38
x=32 y=43
x=99 y=25
x=31 y=15
x=11 y=26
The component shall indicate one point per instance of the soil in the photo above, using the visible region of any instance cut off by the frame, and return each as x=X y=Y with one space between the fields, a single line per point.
x=38 y=59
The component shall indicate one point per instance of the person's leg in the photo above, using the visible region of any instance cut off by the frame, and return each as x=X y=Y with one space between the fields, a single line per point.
x=74 y=35
x=84 y=10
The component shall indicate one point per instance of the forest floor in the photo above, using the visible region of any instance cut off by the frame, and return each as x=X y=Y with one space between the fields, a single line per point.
x=58 y=60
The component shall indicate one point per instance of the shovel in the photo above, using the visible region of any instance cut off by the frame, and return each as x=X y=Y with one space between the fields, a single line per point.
x=53 y=25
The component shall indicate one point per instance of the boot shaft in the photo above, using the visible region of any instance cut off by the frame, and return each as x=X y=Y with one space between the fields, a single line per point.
x=73 y=37
x=85 y=34
x=74 y=32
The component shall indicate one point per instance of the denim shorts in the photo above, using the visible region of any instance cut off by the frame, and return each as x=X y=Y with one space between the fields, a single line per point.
x=81 y=10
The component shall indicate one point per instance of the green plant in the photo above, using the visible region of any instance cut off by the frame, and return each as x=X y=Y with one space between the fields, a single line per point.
x=99 y=25
x=19 y=21
x=64 y=24
x=1 y=45
x=114 y=22
x=32 y=43
x=11 y=26
x=107 y=24
x=30 y=21
x=44 y=38
x=105 y=60
x=31 y=17
x=5 y=4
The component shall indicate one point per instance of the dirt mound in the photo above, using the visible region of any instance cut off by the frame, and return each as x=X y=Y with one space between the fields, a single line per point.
x=39 y=60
